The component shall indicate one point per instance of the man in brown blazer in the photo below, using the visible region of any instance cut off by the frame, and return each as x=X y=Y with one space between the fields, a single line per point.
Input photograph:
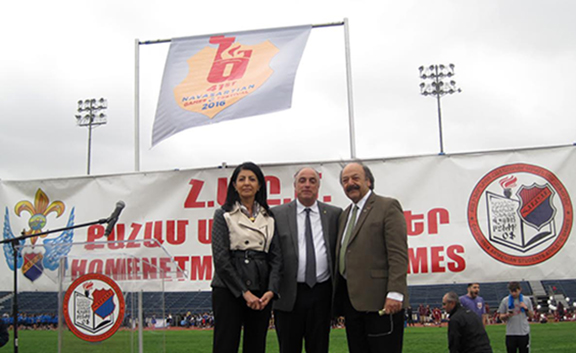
x=371 y=266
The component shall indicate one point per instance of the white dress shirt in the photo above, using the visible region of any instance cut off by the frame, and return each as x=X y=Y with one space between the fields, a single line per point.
x=322 y=269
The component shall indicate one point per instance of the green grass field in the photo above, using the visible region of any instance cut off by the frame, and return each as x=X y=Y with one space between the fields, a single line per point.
x=547 y=338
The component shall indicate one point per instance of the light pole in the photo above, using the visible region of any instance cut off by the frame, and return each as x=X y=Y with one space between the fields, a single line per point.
x=91 y=114
x=439 y=86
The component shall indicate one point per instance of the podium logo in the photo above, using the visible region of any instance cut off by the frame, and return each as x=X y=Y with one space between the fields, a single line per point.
x=520 y=214
x=34 y=261
x=94 y=307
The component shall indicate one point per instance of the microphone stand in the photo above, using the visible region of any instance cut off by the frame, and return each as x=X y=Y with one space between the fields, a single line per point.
x=14 y=241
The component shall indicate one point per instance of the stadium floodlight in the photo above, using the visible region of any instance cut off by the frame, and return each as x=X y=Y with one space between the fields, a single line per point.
x=439 y=85
x=91 y=114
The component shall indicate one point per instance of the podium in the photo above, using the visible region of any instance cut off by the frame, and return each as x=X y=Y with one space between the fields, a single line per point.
x=111 y=294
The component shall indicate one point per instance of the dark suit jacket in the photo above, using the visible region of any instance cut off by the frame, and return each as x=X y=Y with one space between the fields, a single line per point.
x=466 y=333
x=287 y=232
x=377 y=254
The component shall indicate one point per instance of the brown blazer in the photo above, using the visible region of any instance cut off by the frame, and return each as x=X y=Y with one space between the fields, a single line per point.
x=377 y=254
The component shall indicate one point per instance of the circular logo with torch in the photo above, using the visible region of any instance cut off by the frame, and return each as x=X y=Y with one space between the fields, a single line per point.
x=94 y=307
x=520 y=214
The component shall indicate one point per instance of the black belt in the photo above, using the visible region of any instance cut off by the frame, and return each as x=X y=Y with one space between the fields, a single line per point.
x=249 y=254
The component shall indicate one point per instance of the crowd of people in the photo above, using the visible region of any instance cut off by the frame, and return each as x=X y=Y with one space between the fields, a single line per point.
x=42 y=321
x=202 y=320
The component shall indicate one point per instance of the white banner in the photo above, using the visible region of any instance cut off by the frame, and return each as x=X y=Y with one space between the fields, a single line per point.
x=478 y=217
x=213 y=78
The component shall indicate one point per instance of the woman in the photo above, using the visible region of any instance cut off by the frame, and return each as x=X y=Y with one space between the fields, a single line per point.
x=247 y=262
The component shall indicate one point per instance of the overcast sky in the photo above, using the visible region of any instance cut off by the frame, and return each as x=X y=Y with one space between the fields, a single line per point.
x=515 y=63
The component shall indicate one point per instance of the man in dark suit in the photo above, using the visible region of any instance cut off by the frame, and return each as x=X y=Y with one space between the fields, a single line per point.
x=466 y=333
x=307 y=230
x=372 y=265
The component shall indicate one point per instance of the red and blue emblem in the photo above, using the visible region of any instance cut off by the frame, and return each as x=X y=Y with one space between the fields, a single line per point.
x=520 y=214
x=536 y=207
x=94 y=307
x=33 y=267
x=103 y=304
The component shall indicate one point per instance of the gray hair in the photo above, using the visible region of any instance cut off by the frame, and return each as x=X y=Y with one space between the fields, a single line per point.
x=452 y=297
x=301 y=169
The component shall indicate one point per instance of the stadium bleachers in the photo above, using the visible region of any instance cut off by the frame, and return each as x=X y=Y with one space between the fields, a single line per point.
x=565 y=287
x=174 y=302
x=432 y=294
x=31 y=302
x=197 y=302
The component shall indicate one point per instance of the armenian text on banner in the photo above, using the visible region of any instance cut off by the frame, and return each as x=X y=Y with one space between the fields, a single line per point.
x=212 y=78
x=486 y=217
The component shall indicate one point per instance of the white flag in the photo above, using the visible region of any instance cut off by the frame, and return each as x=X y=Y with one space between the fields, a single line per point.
x=213 y=78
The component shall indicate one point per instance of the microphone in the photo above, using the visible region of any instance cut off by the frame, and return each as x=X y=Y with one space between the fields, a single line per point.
x=114 y=218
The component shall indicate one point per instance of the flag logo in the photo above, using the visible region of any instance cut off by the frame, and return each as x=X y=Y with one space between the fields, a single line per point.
x=215 y=78
x=219 y=77
x=94 y=307
x=520 y=214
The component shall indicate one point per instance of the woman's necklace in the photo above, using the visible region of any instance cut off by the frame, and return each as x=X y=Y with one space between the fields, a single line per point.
x=251 y=214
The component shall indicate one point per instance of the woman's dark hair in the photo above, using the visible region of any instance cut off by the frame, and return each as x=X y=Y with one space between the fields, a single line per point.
x=232 y=195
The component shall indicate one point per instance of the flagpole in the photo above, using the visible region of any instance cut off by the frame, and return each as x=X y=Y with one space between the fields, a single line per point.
x=350 y=97
x=158 y=41
x=137 y=106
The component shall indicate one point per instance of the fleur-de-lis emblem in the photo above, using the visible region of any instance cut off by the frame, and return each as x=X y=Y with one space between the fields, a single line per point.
x=38 y=212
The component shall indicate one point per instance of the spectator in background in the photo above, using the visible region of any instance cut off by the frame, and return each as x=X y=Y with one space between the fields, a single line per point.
x=422 y=314
x=437 y=316
x=472 y=301
x=560 y=311
x=466 y=333
x=486 y=317
x=515 y=311
x=543 y=318
x=409 y=316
